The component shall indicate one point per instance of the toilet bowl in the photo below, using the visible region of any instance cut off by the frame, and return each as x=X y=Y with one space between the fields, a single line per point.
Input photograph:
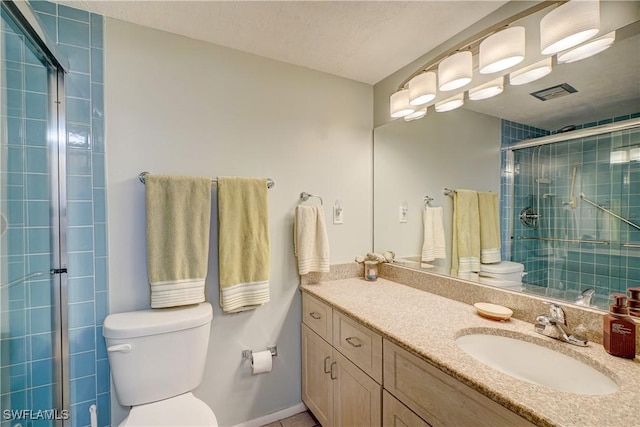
x=157 y=359
x=505 y=274
x=184 y=410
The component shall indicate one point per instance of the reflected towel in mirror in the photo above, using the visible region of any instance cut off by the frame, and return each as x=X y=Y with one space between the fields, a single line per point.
x=434 y=242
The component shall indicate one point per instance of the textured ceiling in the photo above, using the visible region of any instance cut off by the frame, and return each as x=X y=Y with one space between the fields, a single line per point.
x=360 y=40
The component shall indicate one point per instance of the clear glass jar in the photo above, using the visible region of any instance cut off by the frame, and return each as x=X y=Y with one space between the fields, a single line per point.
x=371 y=270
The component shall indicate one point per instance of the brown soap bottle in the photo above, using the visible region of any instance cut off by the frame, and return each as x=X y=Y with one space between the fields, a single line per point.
x=619 y=331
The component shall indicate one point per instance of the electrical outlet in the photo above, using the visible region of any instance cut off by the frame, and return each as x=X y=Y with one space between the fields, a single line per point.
x=338 y=213
x=403 y=213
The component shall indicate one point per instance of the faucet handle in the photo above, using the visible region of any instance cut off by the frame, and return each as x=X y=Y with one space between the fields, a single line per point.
x=556 y=312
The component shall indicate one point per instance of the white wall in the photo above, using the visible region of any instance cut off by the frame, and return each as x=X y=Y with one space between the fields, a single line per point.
x=180 y=106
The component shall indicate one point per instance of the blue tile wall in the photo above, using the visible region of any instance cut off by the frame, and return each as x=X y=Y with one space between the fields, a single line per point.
x=542 y=179
x=26 y=354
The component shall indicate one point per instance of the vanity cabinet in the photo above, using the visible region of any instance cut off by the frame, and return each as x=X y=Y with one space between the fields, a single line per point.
x=338 y=388
x=395 y=414
x=437 y=397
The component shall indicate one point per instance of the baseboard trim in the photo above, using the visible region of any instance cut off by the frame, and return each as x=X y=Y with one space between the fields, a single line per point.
x=285 y=413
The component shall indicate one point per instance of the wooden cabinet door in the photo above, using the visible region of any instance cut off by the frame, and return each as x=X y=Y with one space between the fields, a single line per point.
x=357 y=397
x=317 y=387
x=395 y=414
x=439 y=398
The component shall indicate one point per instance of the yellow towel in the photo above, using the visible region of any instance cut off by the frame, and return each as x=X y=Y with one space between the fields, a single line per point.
x=466 y=233
x=310 y=244
x=243 y=243
x=489 y=227
x=178 y=221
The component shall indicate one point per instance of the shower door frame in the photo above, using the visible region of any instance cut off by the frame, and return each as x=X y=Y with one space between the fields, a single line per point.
x=24 y=18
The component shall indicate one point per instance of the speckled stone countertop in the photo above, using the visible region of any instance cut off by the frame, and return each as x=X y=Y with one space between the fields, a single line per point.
x=427 y=325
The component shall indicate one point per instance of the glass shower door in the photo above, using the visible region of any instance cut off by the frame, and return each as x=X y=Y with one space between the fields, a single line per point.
x=30 y=342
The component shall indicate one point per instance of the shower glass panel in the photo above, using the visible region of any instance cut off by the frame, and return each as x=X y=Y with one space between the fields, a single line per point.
x=30 y=344
x=577 y=215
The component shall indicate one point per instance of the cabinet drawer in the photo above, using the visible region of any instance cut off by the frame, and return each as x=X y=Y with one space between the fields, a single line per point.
x=439 y=398
x=359 y=344
x=395 y=414
x=317 y=316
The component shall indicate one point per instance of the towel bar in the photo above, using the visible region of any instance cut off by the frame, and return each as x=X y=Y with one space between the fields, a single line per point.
x=428 y=200
x=270 y=183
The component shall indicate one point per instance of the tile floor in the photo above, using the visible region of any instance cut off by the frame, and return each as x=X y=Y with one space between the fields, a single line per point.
x=303 y=419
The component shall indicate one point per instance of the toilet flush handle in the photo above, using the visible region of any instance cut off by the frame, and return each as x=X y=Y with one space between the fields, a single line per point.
x=121 y=348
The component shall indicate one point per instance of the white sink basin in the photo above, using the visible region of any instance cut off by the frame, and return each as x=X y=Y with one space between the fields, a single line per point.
x=536 y=364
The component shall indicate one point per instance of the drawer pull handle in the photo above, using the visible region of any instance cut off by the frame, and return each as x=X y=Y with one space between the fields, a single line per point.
x=353 y=341
x=326 y=359
x=332 y=365
x=315 y=315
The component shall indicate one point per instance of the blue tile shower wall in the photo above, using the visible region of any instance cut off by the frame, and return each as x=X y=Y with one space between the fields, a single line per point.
x=574 y=267
x=79 y=35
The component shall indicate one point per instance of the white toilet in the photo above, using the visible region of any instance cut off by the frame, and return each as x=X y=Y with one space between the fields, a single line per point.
x=157 y=358
x=505 y=274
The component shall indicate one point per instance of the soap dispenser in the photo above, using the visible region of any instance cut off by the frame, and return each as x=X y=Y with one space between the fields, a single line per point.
x=619 y=331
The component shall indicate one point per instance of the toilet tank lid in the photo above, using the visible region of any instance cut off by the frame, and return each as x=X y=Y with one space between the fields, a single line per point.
x=156 y=321
x=502 y=267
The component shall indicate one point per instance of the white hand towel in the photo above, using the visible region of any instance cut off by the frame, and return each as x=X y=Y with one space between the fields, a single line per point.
x=311 y=243
x=434 y=242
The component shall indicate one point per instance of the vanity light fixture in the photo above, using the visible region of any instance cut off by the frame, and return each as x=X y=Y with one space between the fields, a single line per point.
x=487 y=90
x=399 y=104
x=418 y=114
x=568 y=25
x=422 y=88
x=587 y=49
x=502 y=50
x=455 y=71
x=451 y=103
x=531 y=72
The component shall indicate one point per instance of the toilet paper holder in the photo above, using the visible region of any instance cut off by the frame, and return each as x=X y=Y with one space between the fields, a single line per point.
x=248 y=354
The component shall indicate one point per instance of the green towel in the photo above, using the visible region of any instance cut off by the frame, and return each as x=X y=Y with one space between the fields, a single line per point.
x=489 y=227
x=178 y=221
x=466 y=234
x=243 y=243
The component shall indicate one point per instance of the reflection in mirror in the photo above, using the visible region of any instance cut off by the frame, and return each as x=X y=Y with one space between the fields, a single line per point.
x=581 y=230
x=572 y=248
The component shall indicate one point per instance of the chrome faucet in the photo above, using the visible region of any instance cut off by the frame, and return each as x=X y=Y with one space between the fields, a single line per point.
x=554 y=325
x=585 y=297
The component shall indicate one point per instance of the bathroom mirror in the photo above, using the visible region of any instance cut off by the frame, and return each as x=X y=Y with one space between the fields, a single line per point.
x=461 y=149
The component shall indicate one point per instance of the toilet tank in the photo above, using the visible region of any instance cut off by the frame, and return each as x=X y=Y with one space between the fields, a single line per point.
x=157 y=354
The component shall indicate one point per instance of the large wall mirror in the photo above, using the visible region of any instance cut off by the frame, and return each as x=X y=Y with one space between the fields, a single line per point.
x=571 y=245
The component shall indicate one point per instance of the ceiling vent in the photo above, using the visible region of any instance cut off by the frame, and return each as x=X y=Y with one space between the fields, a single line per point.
x=554 y=92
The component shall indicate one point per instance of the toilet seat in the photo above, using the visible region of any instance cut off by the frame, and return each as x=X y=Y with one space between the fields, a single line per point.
x=183 y=410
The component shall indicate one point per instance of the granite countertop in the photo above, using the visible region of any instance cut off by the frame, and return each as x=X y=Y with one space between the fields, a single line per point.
x=427 y=325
